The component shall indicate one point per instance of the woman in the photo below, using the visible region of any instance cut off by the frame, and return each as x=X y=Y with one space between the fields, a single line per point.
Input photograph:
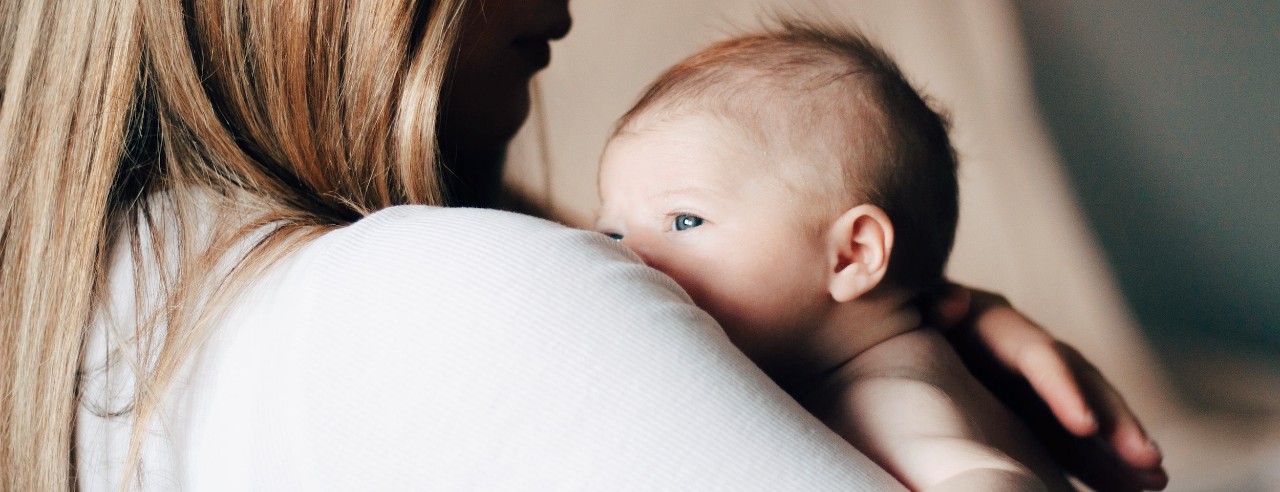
x=208 y=281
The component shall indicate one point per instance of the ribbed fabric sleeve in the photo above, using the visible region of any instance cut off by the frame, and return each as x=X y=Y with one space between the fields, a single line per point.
x=462 y=349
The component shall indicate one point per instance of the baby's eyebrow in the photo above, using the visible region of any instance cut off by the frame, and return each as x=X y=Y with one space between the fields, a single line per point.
x=691 y=190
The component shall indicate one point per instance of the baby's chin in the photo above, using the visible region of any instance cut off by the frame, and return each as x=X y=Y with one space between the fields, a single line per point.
x=754 y=336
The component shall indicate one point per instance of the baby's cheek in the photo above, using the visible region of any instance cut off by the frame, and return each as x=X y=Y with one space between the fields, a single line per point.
x=700 y=283
x=712 y=286
x=777 y=291
x=745 y=305
x=753 y=297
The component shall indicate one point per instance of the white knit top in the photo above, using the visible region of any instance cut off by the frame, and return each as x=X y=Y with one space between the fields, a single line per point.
x=461 y=349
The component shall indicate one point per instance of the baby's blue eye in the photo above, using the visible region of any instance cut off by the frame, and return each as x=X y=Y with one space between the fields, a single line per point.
x=685 y=222
x=614 y=235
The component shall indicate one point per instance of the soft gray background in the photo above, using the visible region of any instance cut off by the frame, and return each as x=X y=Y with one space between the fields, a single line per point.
x=1167 y=118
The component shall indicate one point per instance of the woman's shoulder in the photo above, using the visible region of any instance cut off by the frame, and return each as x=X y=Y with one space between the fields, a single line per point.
x=356 y=357
x=409 y=219
x=423 y=249
x=426 y=277
x=417 y=233
x=413 y=228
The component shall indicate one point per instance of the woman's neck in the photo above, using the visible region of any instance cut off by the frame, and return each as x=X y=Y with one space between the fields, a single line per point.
x=473 y=177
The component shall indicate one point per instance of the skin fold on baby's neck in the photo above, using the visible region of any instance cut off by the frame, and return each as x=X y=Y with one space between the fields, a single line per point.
x=851 y=329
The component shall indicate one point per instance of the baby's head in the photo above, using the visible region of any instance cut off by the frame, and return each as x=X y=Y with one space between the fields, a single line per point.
x=779 y=176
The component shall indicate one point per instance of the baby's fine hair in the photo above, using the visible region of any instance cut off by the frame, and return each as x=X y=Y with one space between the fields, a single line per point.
x=906 y=166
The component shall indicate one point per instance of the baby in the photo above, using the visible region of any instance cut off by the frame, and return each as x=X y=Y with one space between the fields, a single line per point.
x=804 y=194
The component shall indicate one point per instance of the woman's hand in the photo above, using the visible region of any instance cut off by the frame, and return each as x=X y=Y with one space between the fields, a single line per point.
x=1070 y=406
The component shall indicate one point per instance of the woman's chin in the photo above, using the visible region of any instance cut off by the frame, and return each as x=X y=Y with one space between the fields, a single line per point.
x=474 y=125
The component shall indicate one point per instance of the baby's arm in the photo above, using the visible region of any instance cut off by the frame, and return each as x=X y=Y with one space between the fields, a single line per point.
x=921 y=435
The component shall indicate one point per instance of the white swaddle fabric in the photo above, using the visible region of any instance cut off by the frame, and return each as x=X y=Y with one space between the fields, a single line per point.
x=463 y=349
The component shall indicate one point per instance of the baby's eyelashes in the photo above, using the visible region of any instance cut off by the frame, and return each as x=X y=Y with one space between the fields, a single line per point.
x=603 y=227
x=684 y=222
x=679 y=222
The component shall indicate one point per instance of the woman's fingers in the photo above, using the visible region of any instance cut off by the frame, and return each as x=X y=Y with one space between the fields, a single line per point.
x=1051 y=377
x=951 y=308
x=1118 y=452
x=1091 y=461
x=1121 y=428
x=1024 y=347
x=1098 y=438
x=1072 y=407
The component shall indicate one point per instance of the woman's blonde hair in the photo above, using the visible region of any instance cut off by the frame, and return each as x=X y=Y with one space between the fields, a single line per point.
x=305 y=114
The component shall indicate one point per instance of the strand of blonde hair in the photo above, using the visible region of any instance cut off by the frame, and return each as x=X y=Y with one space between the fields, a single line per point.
x=296 y=117
x=67 y=91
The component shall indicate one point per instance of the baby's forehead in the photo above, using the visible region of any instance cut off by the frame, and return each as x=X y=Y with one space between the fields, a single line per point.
x=805 y=154
x=772 y=108
x=696 y=144
x=781 y=126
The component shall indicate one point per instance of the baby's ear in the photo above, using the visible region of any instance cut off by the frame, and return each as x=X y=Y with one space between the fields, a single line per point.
x=858 y=248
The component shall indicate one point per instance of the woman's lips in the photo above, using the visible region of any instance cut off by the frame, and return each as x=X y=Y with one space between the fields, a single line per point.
x=535 y=46
x=555 y=30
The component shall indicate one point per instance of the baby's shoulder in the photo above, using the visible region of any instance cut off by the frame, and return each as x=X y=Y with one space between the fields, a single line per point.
x=921 y=355
x=913 y=370
x=899 y=386
x=917 y=373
